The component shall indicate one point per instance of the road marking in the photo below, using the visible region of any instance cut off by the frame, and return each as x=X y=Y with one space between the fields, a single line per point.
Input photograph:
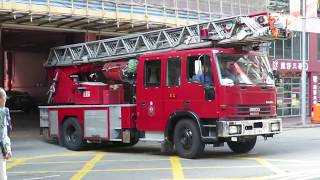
x=88 y=166
x=59 y=155
x=43 y=177
x=177 y=171
x=95 y=170
x=269 y=165
x=77 y=162
x=21 y=161
x=307 y=174
x=15 y=163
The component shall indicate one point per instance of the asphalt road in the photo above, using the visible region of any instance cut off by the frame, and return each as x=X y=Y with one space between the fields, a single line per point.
x=294 y=154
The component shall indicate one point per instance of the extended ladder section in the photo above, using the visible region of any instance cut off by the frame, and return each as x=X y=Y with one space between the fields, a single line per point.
x=233 y=32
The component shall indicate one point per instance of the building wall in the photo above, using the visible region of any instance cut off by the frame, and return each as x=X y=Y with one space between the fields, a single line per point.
x=29 y=74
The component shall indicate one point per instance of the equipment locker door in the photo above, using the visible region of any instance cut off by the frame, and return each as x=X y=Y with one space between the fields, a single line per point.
x=173 y=100
x=149 y=94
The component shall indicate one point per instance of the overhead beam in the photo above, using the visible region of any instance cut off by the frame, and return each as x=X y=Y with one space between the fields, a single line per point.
x=14 y=19
x=144 y=28
x=54 y=21
x=31 y=19
x=84 y=24
x=70 y=22
x=111 y=26
x=104 y=24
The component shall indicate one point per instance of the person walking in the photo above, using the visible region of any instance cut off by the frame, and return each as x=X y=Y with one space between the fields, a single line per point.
x=5 y=143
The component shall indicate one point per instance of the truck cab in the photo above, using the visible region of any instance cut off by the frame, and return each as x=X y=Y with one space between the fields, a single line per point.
x=206 y=96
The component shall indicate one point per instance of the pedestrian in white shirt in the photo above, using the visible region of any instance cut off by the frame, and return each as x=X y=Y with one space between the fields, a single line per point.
x=5 y=143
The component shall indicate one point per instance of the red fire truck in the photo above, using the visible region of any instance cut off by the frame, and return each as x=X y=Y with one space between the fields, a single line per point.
x=184 y=87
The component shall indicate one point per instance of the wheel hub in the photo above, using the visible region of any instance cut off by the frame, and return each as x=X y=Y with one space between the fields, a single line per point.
x=186 y=138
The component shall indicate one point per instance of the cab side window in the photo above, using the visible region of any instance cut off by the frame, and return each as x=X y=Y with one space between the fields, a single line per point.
x=173 y=72
x=152 y=73
x=199 y=69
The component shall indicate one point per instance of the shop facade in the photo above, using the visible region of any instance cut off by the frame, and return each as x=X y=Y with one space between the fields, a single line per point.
x=286 y=60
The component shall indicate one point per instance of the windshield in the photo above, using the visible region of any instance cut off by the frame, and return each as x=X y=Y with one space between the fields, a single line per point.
x=244 y=69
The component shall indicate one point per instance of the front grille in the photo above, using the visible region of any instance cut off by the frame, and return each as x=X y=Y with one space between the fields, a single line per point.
x=254 y=109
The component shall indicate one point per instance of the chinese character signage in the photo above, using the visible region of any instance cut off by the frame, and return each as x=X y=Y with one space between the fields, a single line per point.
x=285 y=65
x=314 y=90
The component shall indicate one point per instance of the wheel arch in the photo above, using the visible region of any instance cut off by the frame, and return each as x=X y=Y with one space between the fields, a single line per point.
x=64 y=120
x=176 y=117
x=75 y=122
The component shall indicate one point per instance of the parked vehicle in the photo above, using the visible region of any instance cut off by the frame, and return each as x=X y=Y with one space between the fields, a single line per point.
x=17 y=100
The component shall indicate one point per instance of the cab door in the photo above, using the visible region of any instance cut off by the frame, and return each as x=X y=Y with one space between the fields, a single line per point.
x=149 y=94
x=200 y=97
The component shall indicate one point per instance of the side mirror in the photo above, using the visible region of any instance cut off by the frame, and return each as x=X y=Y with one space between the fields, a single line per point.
x=276 y=77
x=275 y=74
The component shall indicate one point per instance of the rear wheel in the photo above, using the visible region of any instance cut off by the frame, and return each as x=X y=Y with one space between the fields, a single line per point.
x=243 y=145
x=187 y=139
x=72 y=136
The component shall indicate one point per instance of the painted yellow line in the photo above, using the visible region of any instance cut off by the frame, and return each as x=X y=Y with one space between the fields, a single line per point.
x=22 y=161
x=270 y=166
x=16 y=162
x=88 y=166
x=77 y=162
x=100 y=170
x=59 y=155
x=177 y=171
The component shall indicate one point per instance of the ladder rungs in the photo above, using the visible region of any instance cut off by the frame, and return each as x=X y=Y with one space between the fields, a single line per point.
x=233 y=31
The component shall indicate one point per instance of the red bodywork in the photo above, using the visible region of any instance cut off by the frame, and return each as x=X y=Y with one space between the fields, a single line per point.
x=229 y=102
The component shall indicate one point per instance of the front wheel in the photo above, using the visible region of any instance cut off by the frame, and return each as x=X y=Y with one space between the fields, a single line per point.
x=72 y=136
x=243 y=145
x=187 y=139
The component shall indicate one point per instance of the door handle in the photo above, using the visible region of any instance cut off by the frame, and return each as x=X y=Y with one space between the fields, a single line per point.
x=186 y=103
x=143 y=104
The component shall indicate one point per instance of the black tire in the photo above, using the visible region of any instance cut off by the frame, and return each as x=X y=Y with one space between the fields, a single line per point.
x=72 y=135
x=244 y=145
x=187 y=139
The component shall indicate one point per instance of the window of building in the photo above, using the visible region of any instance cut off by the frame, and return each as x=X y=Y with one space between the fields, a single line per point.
x=173 y=72
x=271 y=50
x=289 y=96
x=291 y=48
x=152 y=73
x=287 y=49
x=279 y=49
x=296 y=38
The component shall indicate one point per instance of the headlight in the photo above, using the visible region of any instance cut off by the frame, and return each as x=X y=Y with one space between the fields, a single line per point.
x=275 y=127
x=235 y=129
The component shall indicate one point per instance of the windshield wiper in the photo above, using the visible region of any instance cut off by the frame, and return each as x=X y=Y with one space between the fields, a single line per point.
x=264 y=83
x=243 y=84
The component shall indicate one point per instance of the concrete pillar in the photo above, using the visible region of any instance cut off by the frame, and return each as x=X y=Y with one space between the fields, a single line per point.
x=2 y=73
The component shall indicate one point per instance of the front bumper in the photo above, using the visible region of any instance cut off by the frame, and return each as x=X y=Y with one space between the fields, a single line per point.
x=249 y=127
